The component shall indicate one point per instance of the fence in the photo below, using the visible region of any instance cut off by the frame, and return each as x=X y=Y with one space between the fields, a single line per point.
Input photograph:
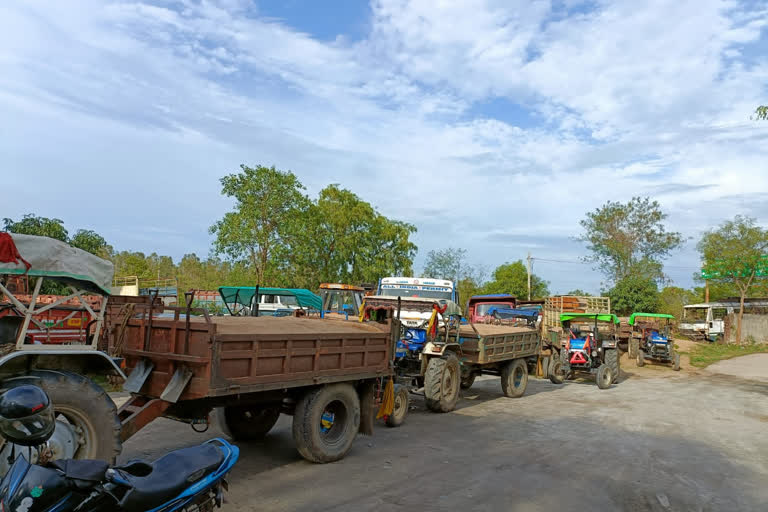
x=754 y=327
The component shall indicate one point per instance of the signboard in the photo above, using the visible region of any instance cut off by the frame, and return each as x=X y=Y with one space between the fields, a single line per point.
x=762 y=270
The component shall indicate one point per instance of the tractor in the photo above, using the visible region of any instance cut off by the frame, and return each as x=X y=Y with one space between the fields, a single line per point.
x=651 y=339
x=590 y=347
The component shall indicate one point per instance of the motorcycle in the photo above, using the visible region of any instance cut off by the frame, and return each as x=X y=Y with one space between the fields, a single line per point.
x=190 y=480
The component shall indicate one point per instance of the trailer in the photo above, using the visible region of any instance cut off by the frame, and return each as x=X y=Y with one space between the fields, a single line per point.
x=450 y=353
x=329 y=374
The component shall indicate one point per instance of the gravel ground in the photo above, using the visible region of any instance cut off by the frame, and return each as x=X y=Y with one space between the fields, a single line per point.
x=657 y=441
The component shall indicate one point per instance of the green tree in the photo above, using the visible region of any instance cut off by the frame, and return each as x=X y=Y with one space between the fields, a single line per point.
x=634 y=294
x=346 y=240
x=761 y=112
x=31 y=224
x=512 y=278
x=733 y=253
x=445 y=264
x=578 y=292
x=92 y=242
x=629 y=239
x=673 y=298
x=266 y=220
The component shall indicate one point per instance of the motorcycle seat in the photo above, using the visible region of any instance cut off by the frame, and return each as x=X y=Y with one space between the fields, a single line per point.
x=169 y=476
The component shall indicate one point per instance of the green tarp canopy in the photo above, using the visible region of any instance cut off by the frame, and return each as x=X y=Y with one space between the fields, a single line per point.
x=565 y=317
x=649 y=315
x=244 y=294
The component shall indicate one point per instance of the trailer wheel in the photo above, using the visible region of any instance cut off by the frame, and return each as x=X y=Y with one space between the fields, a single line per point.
x=441 y=383
x=604 y=376
x=82 y=409
x=676 y=362
x=325 y=422
x=514 y=378
x=402 y=404
x=248 y=422
x=612 y=360
x=555 y=371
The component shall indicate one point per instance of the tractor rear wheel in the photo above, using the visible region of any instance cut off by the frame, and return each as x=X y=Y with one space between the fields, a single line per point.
x=514 y=378
x=604 y=376
x=441 y=383
x=612 y=360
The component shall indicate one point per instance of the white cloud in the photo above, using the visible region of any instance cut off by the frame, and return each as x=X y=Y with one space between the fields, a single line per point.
x=626 y=98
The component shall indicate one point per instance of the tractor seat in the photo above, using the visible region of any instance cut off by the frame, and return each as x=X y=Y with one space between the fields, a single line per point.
x=9 y=328
x=161 y=481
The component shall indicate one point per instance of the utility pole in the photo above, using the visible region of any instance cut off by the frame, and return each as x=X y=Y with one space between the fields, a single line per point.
x=529 y=276
x=706 y=290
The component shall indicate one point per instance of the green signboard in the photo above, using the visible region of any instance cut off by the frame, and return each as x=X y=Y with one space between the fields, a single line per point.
x=762 y=270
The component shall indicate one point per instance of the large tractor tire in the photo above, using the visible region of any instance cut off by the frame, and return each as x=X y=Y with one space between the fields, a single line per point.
x=514 y=378
x=441 y=383
x=555 y=372
x=325 y=422
x=248 y=422
x=634 y=347
x=604 y=376
x=400 y=410
x=87 y=426
x=612 y=360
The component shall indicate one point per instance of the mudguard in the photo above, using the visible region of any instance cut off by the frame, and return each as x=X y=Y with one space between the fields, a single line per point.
x=78 y=361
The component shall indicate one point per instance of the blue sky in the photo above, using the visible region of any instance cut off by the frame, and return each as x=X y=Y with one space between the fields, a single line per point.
x=490 y=125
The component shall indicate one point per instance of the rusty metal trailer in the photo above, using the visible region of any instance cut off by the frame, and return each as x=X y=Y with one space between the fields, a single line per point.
x=507 y=351
x=329 y=374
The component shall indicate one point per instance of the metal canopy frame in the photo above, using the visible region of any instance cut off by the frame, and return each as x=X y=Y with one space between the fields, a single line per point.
x=31 y=311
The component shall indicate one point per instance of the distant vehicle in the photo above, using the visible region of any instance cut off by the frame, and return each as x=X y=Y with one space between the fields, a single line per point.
x=479 y=306
x=243 y=301
x=341 y=299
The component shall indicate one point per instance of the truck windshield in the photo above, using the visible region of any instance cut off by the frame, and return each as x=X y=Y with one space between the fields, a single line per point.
x=693 y=315
x=413 y=291
x=485 y=307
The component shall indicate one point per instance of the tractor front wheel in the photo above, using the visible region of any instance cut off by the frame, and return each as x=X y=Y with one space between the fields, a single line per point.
x=604 y=376
x=676 y=362
x=400 y=410
x=556 y=373
x=640 y=359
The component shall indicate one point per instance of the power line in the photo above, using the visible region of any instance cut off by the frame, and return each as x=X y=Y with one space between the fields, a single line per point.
x=573 y=262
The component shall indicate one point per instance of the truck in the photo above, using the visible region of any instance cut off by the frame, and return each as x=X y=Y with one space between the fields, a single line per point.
x=450 y=354
x=245 y=371
x=479 y=309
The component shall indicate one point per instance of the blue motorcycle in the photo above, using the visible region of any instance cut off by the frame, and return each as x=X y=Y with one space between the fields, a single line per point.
x=189 y=479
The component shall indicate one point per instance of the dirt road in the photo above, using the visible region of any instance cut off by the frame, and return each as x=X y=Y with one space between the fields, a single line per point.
x=657 y=441
x=753 y=366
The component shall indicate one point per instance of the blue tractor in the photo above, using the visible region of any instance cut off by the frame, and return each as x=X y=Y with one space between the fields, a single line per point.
x=651 y=339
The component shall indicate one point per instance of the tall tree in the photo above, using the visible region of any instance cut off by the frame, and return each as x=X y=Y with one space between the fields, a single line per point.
x=345 y=239
x=265 y=222
x=761 y=112
x=512 y=278
x=634 y=293
x=447 y=263
x=31 y=224
x=734 y=252
x=629 y=238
